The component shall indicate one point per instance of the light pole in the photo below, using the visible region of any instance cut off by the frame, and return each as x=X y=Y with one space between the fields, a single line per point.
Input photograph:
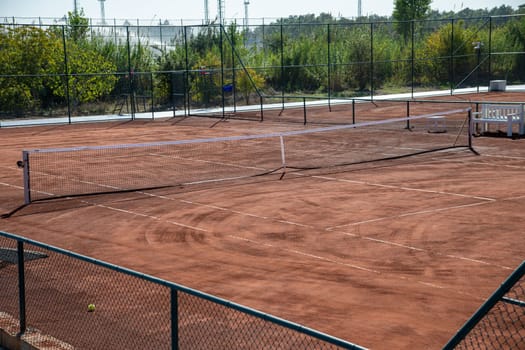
x=477 y=47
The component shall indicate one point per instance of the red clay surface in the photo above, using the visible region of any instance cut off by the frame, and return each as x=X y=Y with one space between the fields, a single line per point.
x=394 y=255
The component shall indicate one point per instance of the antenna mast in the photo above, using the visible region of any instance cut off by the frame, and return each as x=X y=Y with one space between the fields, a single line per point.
x=206 y=13
x=246 y=3
x=102 y=11
x=359 y=9
x=221 y=11
x=75 y=7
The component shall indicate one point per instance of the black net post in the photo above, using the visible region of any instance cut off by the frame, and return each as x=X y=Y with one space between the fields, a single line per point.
x=27 y=183
x=470 y=130
x=408 y=115
x=304 y=110
x=353 y=111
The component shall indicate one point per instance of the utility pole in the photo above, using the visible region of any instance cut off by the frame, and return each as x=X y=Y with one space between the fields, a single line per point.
x=206 y=13
x=102 y=11
x=221 y=9
x=246 y=3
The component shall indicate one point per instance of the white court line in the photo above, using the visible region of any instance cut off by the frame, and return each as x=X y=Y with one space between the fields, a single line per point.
x=400 y=245
x=293 y=223
x=327 y=229
x=309 y=226
x=219 y=208
x=513 y=198
x=156 y=218
x=295 y=251
x=502 y=156
x=353 y=266
x=403 y=188
x=421 y=212
x=285 y=222
x=13 y=186
x=121 y=210
x=493 y=164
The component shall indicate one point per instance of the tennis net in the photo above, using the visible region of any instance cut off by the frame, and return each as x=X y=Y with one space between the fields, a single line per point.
x=64 y=172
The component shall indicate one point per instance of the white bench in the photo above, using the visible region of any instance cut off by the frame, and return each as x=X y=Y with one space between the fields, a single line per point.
x=499 y=114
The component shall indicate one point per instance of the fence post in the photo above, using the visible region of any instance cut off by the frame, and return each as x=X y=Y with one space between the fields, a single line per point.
x=21 y=287
x=174 y=319
x=187 y=97
x=221 y=45
x=234 y=75
x=372 y=61
x=412 y=65
x=66 y=72
x=328 y=34
x=282 y=64
x=152 y=87
x=131 y=76
x=451 y=62
x=490 y=49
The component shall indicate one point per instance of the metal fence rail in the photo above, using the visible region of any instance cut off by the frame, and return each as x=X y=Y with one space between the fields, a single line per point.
x=47 y=291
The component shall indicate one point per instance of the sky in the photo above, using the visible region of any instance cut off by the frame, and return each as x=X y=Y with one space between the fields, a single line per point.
x=153 y=10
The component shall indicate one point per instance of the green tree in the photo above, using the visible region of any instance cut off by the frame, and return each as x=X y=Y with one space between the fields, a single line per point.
x=33 y=66
x=443 y=48
x=78 y=26
x=171 y=80
x=206 y=83
x=26 y=60
x=407 y=11
x=247 y=82
x=91 y=76
x=510 y=38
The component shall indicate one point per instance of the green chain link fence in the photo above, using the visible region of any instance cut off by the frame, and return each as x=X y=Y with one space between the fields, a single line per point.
x=49 y=290
x=132 y=70
x=500 y=322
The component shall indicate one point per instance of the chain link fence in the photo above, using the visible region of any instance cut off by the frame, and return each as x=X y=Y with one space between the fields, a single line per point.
x=500 y=322
x=130 y=70
x=47 y=295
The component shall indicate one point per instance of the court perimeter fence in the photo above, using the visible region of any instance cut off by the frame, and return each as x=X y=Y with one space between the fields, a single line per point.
x=500 y=322
x=49 y=289
x=46 y=292
x=128 y=70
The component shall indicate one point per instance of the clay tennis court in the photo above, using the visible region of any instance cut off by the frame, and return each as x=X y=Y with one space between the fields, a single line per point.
x=395 y=254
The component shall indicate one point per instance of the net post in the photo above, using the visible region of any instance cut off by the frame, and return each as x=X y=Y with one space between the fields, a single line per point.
x=353 y=111
x=408 y=115
x=304 y=110
x=283 y=153
x=27 y=182
x=470 y=131
x=262 y=109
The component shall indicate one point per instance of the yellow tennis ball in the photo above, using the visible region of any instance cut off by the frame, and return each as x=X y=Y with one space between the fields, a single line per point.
x=91 y=307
